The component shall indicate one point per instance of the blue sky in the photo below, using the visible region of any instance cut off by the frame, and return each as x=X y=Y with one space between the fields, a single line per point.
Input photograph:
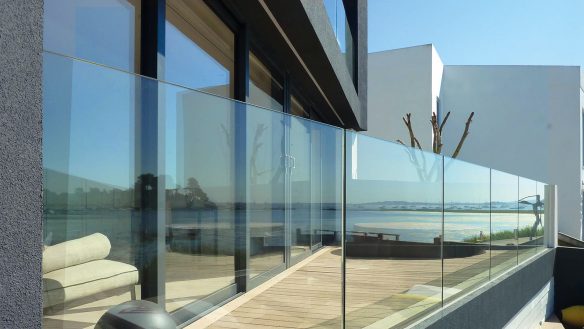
x=494 y=32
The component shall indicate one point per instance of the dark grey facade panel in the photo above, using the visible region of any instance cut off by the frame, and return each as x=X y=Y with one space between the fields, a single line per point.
x=20 y=163
x=569 y=278
x=494 y=305
x=362 y=55
x=307 y=26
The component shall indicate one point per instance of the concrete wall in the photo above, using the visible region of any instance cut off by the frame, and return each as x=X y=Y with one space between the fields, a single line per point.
x=400 y=81
x=536 y=311
x=20 y=163
x=513 y=300
x=527 y=122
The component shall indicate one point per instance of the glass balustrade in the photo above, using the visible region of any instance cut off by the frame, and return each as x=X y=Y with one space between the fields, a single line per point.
x=504 y=217
x=162 y=193
x=466 y=251
x=393 y=233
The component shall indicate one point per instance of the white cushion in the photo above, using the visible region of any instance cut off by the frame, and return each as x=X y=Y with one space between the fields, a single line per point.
x=87 y=279
x=74 y=252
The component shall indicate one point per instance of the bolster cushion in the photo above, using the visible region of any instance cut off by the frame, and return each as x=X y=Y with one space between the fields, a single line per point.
x=74 y=252
x=87 y=279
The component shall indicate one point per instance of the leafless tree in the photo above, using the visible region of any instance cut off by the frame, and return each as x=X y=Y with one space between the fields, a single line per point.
x=415 y=152
x=437 y=129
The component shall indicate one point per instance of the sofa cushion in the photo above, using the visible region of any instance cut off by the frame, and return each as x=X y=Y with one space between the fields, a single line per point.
x=573 y=316
x=74 y=252
x=83 y=280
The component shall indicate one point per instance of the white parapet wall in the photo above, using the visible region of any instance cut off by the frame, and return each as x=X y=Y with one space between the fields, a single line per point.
x=527 y=122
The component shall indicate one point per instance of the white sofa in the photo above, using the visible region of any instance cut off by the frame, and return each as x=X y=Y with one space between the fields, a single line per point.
x=77 y=269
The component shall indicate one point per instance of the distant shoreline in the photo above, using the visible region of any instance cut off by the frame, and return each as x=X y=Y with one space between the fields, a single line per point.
x=470 y=211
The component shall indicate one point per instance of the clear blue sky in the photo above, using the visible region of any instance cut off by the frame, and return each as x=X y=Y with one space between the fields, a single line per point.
x=530 y=32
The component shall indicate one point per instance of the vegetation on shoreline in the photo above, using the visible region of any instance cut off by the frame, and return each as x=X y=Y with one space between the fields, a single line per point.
x=524 y=232
x=470 y=211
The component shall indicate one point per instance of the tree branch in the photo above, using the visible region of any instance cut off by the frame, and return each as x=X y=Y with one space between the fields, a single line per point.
x=408 y=121
x=463 y=137
x=437 y=133
x=444 y=122
x=417 y=143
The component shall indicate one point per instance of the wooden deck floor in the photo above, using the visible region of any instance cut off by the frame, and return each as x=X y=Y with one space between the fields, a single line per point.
x=309 y=296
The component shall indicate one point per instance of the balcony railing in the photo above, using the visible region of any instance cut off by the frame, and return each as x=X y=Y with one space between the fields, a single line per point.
x=157 y=192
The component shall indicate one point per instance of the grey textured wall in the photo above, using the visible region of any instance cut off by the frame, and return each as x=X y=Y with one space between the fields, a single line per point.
x=20 y=163
x=320 y=22
x=362 y=58
x=492 y=306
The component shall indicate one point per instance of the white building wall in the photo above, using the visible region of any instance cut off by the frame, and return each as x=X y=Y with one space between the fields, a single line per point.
x=400 y=81
x=528 y=119
x=527 y=122
x=437 y=71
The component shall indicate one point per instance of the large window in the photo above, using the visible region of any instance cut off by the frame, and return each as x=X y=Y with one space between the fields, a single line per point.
x=101 y=31
x=199 y=48
x=264 y=88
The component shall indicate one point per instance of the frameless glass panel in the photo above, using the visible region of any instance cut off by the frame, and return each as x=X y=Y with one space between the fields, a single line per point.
x=317 y=283
x=300 y=186
x=316 y=186
x=309 y=293
x=199 y=48
x=101 y=31
x=264 y=88
x=266 y=199
x=393 y=233
x=92 y=256
x=504 y=189
x=466 y=226
x=530 y=210
x=199 y=161
x=543 y=203
x=298 y=108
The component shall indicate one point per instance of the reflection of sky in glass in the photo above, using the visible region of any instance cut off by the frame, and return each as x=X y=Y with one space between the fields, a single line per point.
x=196 y=143
x=335 y=10
x=89 y=117
x=78 y=28
x=504 y=187
x=189 y=65
x=465 y=182
x=384 y=171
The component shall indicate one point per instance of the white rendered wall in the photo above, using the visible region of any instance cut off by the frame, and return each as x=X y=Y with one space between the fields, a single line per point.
x=400 y=81
x=527 y=122
x=437 y=71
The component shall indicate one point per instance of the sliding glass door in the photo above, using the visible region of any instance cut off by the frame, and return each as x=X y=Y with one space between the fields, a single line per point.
x=300 y=188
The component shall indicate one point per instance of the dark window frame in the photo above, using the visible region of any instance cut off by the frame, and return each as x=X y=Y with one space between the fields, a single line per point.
x=152 y=50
